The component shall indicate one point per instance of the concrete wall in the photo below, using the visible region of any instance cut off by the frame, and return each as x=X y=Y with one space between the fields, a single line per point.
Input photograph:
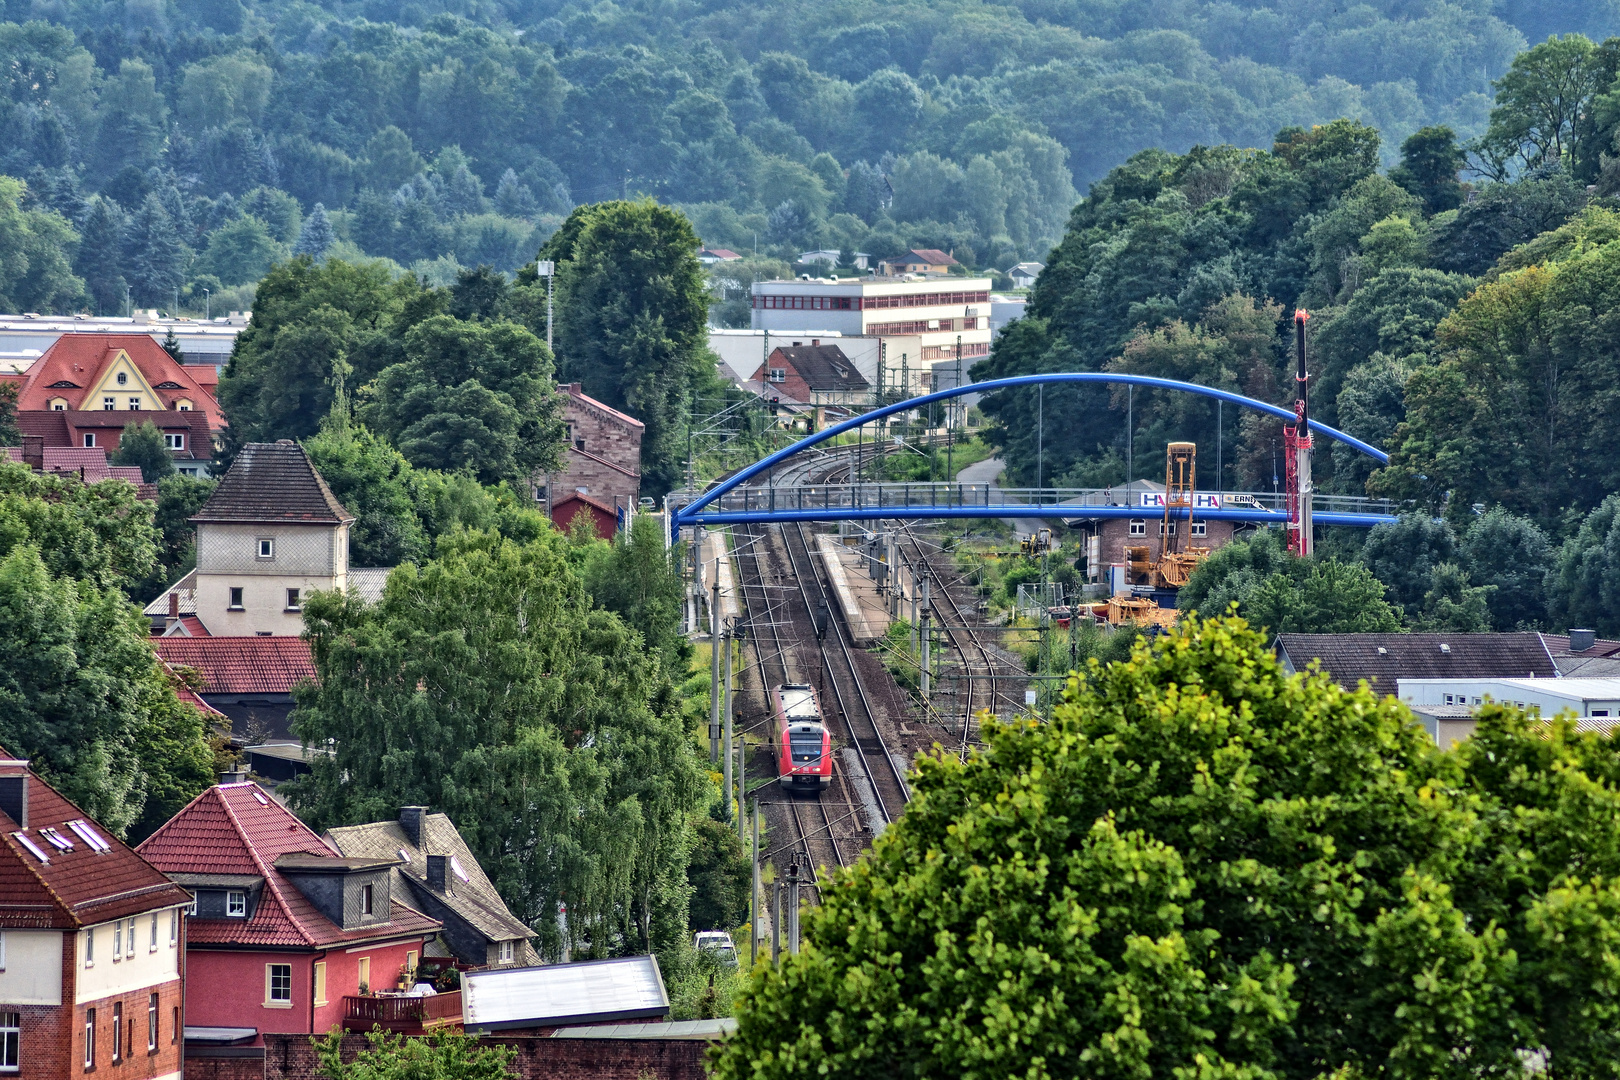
x=290 y=1058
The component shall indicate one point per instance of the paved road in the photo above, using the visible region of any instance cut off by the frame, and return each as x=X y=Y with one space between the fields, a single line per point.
x=986 y=472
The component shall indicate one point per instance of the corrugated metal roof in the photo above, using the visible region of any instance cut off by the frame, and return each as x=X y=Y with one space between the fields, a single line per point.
x=556 y=995
x=707 y=1030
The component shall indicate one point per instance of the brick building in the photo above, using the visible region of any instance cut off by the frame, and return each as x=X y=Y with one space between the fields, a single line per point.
x=813 y=374
x=1104 y=540
x=602 y=459
x=86 y=387
x=285 y=927
x=94 y=944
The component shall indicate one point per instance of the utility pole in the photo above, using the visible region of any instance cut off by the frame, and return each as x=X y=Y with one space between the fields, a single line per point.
x=1302 y=436
x=208 y=305
x=742 y=788
x=793 y=907
x=753 y=897
x=548 y=270
x=1040 y=438
x=776 y=921
x=725 y=642
x=714 y=670
x=924 y=633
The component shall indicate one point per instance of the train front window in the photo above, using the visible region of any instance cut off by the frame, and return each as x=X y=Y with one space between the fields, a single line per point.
x=806 y=746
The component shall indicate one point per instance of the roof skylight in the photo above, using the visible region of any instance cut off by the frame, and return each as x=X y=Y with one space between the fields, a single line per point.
x=27 y=842
x=83 y=831
x=58 y=841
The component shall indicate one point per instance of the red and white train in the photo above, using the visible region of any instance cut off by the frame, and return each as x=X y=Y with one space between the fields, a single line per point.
x=803 y=746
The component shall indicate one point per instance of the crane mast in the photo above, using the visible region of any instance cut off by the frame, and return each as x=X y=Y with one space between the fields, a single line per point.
x=1297 y=449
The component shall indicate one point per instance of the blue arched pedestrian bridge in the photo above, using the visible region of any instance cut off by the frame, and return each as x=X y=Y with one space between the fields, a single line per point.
x=736 y=501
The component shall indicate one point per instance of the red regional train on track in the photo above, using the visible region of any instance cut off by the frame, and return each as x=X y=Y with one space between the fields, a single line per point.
x=803 y=746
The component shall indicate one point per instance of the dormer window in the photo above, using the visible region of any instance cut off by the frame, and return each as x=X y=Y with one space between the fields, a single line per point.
x=365 y=900
x=58 y=404
x=236 y=904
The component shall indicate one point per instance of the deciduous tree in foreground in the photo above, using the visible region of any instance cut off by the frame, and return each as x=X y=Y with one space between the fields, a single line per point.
x=1198 y=867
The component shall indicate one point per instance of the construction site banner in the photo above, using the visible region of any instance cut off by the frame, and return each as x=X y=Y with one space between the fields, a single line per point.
x=1203 y=500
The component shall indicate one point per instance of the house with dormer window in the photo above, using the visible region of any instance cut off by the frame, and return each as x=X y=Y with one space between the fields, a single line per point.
x=284 y=928
x=92 y=944
x=86 y=388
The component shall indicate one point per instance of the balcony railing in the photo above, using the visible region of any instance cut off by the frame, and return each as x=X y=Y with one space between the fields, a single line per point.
x=399 y=1013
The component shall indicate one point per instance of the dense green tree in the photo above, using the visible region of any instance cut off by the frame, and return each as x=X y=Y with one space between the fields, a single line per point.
x=100 y=254
x=630 y=323
x=1512 y=555
x=474 y=396
x=444 y=1054
x=374 y=482
x=241 y=250
x=85 y=699
x=155 y=256
x=1405 y=554
x=313 y=326
x=36 y=249
x=142 y=444
x=9 y=435
x=1583 y=585
x=179 y=499
x=639 y=580
x=485 y=685
x=719 y=876
x=1249 y=881
x=97 y=533
x=1453 y=606
x=1500 y=217
x=1543 y=108
x=1286 y=594
x=316 y=235
x=1430 y=162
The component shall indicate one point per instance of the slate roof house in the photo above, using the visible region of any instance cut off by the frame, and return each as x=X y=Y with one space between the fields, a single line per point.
x=434 y=870
x=1382 y=659
x=285 y=927
x=94 y=944
x=813 y=374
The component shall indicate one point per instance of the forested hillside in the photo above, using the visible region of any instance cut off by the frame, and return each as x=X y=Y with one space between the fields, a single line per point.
x=190 y=144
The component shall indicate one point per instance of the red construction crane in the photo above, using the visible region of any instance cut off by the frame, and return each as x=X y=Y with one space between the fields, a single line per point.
x=1297 y=449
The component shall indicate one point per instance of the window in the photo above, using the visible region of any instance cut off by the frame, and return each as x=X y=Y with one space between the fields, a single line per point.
x=129 y=938
x=1449 y=699
x=118 y=941
x=89 y=1038
x=236 y=598
x=292 y=600
x=151 y=1022
x=320 y=983
x=134 y=404
x=152 y=946
x=278 y=984
x=174 y=1031
x=508 y=951
x=410 y=967
x=191 y=908
x=2 y=950
x=174 y=442
x=123 y=378
x=1199 y=529
x=1167 y=528
x=267 y=548
x=777 y=375
x=118 y=1030
x=363 y=972
x=174 y=923
x=183 y=405
x=89 y=948
x=1595 y=712
x=89 y=438
x=109 y=404
x=236 y=904
x=365 y=899
x=1138 y=527
x=59 y=406
x=10 y=1037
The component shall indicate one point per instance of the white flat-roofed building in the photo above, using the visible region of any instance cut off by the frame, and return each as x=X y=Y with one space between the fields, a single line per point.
x=1447 y=706
x=24 y=338
x=933 y=315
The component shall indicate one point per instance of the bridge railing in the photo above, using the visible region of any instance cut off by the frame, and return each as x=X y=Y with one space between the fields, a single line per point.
x=1065 y=502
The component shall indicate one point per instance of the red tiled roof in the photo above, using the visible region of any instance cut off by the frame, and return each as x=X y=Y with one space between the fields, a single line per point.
x=82 y=359
x=76 y=887
x=240 y=665
x=236 y=829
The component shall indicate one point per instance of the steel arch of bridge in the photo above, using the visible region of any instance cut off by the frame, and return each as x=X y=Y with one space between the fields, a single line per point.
x=690 y=514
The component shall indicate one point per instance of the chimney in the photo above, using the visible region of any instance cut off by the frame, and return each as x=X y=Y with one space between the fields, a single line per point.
x=436 y=866
x=14 y=795
x=1581 y=640
x=411 y=819
x=233 y=776
x=34 y=452
x=174 y=610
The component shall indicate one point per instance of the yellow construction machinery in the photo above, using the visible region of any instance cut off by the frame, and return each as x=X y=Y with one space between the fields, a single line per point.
x=1178 y=556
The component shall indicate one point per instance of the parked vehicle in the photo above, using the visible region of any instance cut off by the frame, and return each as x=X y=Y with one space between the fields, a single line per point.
x=717 y=943
x=803 y=745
